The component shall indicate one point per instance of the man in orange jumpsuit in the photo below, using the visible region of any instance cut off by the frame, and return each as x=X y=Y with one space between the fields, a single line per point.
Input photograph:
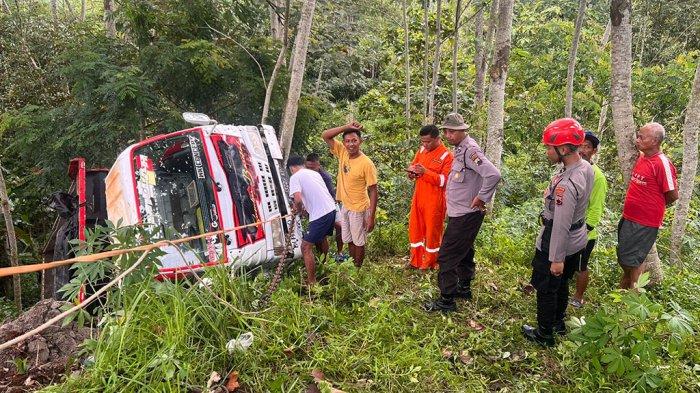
x=430 y=169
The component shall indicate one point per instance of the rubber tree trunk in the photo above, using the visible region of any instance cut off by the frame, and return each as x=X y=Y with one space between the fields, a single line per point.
x=426 y=57
x=301 y=46
x=621 y=105
x=455 y=48
x=488 y=46
x=436 y=63
x=479 y=56
x=497 y=88
x=281 y=57
x=110 y=26
x=11 y=240
x=407 y=62
x=689 y=169
x=276 y=26
x=572 y=58
x=606 y=103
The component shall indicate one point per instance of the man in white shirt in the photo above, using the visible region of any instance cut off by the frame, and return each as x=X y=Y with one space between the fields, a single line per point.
x=310 y=194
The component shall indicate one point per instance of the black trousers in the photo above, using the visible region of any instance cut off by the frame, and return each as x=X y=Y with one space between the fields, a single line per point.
x=552 y=291
x=456 y=256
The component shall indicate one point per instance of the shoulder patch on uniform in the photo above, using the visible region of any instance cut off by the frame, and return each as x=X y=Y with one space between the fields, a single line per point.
x=475 y=157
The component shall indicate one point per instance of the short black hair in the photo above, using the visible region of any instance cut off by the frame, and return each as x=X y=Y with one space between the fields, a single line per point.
x=348 y=132
x=430 y=129
x=313 y=157
x=295 y=161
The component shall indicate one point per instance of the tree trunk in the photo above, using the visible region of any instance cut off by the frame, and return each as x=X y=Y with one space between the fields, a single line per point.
x=426 y=35
x=407 y=57
x=604 y=106
x=458 y=14
x=572 y=59
x=11 y=240
x=499 y=73
x=621 y=104
x=317 y=87
x=436 y=63
x=488 y=51
x=82 y=10
x=110 y=26
x=301 y=46
x=70 y=8
x=276 y=25
x=54 y=10
x=479 y=56
x=689 y=169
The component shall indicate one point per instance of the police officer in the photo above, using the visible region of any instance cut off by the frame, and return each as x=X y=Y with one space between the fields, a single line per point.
x=471 y=184
x=563 y=234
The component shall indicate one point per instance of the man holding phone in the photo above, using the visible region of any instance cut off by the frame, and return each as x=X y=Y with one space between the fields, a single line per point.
x=429 y=169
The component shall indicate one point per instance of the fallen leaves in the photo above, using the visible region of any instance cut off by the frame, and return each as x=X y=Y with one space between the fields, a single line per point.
x=321 y=384
x=476 y=325
x=232 y=382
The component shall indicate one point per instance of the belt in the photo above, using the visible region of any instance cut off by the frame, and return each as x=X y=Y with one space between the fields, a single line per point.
x=549 y=223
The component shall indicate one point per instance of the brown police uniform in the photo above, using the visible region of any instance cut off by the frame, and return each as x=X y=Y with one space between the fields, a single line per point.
x=472 y=175
x=562 y=237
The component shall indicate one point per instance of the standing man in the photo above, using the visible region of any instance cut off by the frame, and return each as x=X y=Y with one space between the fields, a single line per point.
x=652 y=187
x=430 y=169
x=313 y=162
x=471 y=184
x=357 y=187
x=596 y=205
x=562 y=235
x=310 y=194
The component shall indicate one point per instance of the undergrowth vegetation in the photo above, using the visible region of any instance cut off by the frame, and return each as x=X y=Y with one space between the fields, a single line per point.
x=366 y=331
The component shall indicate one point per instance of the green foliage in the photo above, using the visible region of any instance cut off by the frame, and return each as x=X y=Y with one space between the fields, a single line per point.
x=633 y=337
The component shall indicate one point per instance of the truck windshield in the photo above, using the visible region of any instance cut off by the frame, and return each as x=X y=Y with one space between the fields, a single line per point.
x=176 y=190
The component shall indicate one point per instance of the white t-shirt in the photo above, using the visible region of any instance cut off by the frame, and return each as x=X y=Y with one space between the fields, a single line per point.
x=314 y=193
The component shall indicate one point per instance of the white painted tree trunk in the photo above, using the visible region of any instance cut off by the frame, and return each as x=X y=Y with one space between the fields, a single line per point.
x=455 y=47
x=110 y=26
x=572 y=59
x=301 y=46
x=436 y=63
x=11 y=240
x=688 y=169
x=479 y=57
x=497 y=88
x=407 y=62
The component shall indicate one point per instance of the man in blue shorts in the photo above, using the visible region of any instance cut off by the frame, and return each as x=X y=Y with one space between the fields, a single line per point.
x=310 y=194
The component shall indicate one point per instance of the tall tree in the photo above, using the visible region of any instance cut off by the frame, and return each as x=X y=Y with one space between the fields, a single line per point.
x=110 y=26
x=572 y=58
x=83 y=7
x=497 y=88
x=605 y=104
x=482 y=66
x=621 y=105
x=278 y=65
x=301 y=46
x=277 y=28
x=407 y=62
x=455 y=48
x=436 y=63
x=11 y=240
x=479 y=54
x=426 y=57
x=689 y=169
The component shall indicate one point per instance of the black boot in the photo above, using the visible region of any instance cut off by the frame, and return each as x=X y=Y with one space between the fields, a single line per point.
x=444 y=304
x=534 y=335
x=559 y=328
x=464 y=292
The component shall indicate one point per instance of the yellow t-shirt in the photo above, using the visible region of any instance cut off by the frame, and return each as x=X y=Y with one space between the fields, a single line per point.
x=354 y=176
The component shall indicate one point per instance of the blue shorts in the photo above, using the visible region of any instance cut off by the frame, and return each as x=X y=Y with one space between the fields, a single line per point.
x=320 y=228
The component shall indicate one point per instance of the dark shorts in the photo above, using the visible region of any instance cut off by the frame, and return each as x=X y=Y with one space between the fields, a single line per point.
x=582 y=265
x=634 y=242
x=320 y=228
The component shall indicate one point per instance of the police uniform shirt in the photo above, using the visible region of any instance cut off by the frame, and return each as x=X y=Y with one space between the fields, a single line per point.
x=565 y=203
x=472 y=175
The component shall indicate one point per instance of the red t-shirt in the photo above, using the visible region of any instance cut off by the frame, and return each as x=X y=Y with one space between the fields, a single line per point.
x=651 y=178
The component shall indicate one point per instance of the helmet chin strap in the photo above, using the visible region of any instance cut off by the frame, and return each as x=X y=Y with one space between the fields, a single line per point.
x=561 y=156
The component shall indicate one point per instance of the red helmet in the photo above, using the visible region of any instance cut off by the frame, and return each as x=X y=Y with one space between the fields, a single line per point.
x=563 y=131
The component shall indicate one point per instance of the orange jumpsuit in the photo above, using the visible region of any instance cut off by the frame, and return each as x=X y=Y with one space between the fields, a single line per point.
x=426 y=222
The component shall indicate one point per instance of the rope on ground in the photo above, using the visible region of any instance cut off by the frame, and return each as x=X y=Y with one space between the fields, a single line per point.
x=75 y=308
x=10 y=271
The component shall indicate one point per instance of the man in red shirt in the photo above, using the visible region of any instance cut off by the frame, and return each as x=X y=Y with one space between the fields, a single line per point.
x=652 y=187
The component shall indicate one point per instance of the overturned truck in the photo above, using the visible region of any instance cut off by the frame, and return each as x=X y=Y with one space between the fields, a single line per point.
x=190 y=182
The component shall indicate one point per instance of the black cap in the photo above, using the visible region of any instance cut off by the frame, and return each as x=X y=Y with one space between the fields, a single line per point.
x=590 y=136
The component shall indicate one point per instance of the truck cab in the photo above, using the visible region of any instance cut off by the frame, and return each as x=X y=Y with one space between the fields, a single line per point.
x=204 y=179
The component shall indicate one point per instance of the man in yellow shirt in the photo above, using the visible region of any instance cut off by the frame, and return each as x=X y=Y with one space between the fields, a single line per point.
x=356 y=187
